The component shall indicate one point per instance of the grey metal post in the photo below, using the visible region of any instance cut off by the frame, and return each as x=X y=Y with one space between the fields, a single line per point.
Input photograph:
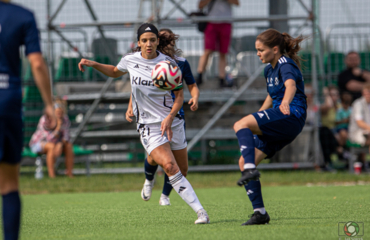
x=225 y=107
x=105 y=43
x=315 y=86
x=279 y=7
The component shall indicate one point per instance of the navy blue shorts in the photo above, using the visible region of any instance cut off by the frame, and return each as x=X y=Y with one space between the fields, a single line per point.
x=11 y=140
x=278 y=130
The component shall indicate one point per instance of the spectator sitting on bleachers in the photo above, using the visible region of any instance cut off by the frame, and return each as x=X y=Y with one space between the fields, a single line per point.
x=352 y=79
x=54 y=142
x=359 y=125
x=342 y=121
x=328 y=111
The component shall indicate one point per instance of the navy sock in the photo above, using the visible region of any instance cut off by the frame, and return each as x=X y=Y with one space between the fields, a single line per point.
x=246 y=144
x=11 y=215
x=149 y=170
x=167 y=187
x=254 y=193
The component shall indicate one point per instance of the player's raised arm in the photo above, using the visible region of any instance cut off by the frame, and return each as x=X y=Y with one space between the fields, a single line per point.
x=108 y=70
x=129 y=112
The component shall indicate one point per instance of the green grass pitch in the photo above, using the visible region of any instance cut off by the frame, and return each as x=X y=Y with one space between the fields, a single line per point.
x=297 y=212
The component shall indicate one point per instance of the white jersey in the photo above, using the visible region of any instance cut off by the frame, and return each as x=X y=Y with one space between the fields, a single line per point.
x=150 y=104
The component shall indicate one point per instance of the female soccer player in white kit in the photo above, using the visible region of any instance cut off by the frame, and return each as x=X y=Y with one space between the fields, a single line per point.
x=161 y=130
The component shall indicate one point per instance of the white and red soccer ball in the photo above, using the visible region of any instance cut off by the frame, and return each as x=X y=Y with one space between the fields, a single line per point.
x=166 y=75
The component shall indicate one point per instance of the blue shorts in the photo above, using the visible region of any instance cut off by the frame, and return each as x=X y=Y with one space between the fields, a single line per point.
x=11 y=140
x=278 y=130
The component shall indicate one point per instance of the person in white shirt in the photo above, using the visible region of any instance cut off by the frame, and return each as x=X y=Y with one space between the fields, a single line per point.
x=160 y=127
x=359 y=124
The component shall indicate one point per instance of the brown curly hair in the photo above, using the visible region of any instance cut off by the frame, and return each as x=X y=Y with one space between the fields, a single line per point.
x=164 y=41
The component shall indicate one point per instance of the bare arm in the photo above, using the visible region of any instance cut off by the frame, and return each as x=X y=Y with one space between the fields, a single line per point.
x=355 y=86
x=194 y=92
x=366 y=75
x=129 y=112
x=42 y=80
x=108 y=70
x=203 y=3
x=267 y=103
x=362 y=124
x=167 y=122
x=290 y=90
x=235 y=2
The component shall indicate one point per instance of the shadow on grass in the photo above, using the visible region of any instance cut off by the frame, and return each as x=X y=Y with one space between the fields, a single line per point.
x=226 y=221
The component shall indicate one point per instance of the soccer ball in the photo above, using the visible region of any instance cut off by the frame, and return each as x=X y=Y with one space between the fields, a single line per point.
x=166 y=76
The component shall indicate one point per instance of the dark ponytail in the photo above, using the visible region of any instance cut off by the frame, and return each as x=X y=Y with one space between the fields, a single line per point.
x=286 y=43
x=164 y=41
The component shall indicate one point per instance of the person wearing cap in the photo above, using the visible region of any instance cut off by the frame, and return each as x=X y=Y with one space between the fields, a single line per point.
x=54 y=142
x=160 y=126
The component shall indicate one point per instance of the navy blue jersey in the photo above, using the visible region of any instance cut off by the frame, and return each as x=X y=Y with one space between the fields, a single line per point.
x=17 y=28
x=286 y=69
x=187 y=77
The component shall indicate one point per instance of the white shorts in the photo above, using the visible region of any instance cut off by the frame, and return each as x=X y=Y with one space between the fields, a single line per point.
x=150 y=137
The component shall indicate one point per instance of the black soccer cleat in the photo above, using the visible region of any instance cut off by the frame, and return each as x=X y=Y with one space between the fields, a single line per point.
x=257 y=219
x=248 y=175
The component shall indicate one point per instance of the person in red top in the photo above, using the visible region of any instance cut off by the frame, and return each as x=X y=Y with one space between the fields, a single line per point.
x=54 y=142
x=217 y=36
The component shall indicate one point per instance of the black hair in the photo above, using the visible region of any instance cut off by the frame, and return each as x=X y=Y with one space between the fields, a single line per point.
x=164 y=41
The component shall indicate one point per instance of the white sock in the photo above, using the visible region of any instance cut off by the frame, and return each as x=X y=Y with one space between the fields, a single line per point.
x=185 y=190
x=165 y=196
x=249 y=166
x=148 y=182
x=261 y=210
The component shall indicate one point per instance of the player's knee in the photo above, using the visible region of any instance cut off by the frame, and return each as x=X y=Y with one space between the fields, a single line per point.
x=239 y=125
x=170 y=168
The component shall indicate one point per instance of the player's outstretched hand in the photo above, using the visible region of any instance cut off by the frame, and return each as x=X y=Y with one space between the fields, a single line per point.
x=85 y=62
x=194 y=104
x=166 y=127
x=51 y=120
x=284 y=108
x=129 y=114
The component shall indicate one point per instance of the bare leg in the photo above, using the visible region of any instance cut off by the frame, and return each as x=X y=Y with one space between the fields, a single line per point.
x=248 y=122
x=203 y=60
x=222 y=66
x=259 y=156
x=181 y=157
x=9 y=180
x=163 y=156
x=69 y=158
x=50 y=158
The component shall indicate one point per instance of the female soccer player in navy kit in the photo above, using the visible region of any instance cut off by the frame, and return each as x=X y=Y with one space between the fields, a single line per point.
x=281 y=117
x=17 y=28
